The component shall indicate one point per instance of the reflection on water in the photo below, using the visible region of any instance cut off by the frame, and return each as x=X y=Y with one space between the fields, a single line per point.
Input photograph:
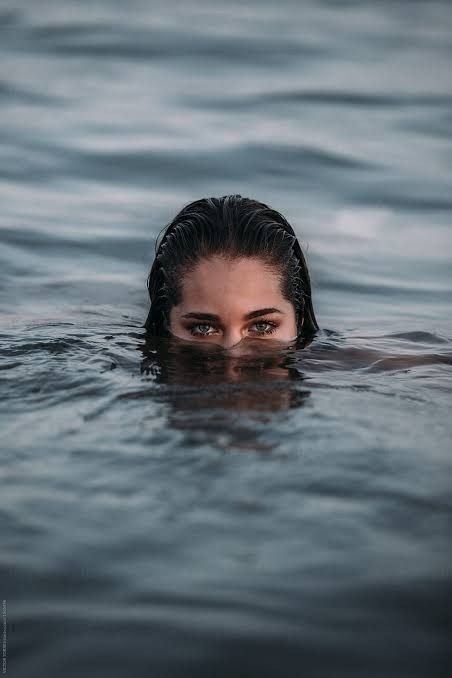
x=176 y=361
x=208 y=388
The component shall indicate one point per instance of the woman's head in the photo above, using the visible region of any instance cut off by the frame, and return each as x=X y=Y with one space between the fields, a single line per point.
x=220 y=265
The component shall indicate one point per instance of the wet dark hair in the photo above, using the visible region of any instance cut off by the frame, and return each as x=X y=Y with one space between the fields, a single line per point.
x=233 y=227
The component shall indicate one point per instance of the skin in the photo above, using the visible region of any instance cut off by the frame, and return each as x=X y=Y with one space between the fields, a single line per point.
x=231 y=290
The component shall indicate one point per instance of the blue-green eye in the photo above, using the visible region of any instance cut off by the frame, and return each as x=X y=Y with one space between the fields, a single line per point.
x=195 y=331
x=270 y=327
x=261 y=327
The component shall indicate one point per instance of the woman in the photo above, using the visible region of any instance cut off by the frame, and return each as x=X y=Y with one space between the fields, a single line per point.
x=227 y=269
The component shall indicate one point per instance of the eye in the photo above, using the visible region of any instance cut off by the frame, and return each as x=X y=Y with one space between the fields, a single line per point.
x=200 y=329
x=265 y=327
x=262 y=327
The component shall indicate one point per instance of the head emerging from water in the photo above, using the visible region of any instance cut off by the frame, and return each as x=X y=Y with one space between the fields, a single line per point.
x=227 y=269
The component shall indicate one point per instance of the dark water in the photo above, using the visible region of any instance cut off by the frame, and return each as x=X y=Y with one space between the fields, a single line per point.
x=166 y=512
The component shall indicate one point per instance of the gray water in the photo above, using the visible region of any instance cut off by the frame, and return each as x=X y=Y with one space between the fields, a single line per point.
x=173 y=512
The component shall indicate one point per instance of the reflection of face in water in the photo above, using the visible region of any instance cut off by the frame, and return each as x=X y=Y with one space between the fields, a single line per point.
x=253 y=376
x=204 y=384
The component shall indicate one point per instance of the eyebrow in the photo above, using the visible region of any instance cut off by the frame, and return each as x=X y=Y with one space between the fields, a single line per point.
x=211 y=316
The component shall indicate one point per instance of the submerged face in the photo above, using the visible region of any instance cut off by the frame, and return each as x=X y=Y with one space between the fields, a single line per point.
x=225 y=301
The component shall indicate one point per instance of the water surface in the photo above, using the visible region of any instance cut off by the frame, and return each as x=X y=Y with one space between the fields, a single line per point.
x=167 y=511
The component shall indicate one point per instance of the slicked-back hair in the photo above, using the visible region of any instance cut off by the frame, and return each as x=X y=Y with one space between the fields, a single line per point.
x=232 y=227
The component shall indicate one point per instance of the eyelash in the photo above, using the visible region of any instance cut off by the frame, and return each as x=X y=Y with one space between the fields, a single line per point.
x=273 y=327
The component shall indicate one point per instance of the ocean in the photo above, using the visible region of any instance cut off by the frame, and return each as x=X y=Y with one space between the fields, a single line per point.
x=169 y=513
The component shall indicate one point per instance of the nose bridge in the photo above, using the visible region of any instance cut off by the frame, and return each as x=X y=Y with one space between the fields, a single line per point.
x=231 y=337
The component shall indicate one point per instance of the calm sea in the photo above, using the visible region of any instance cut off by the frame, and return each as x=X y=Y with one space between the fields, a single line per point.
x=169 y=513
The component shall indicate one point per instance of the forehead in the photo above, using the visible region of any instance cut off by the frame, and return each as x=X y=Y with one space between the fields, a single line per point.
x=216 y=281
